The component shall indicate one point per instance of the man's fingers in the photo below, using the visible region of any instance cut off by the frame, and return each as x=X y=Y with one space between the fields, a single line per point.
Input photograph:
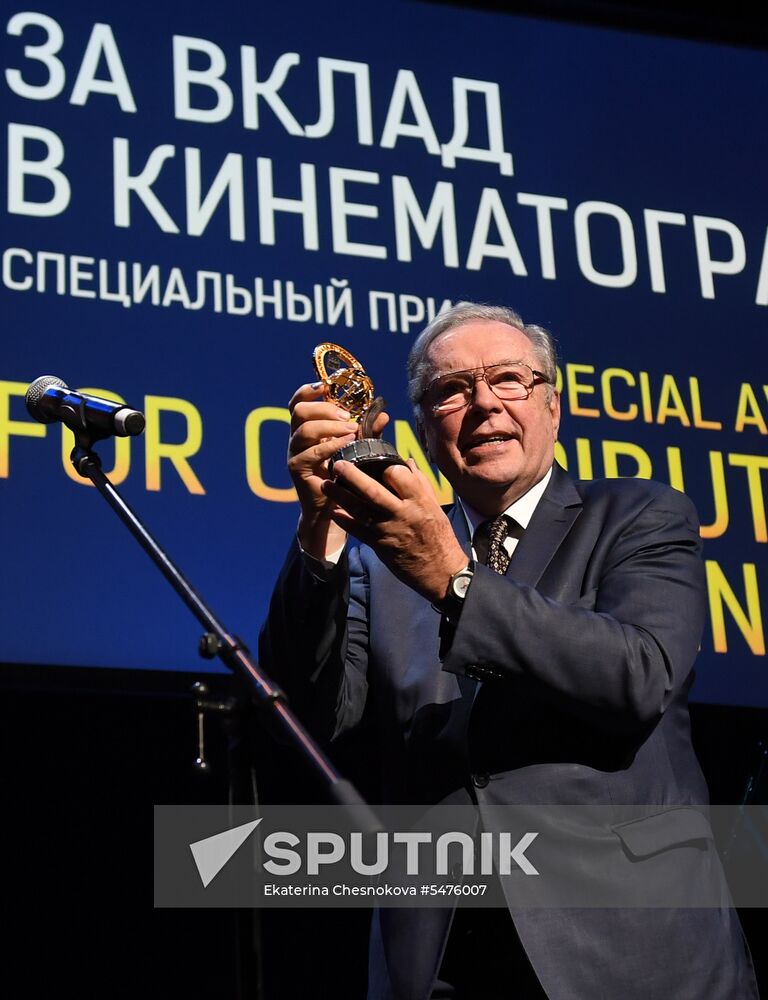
x=316 y=431
x=353 y=526
x=321 y=451
x=306 y=392
x=349 y=502
x=419 y=480
x=305 y=411
x=363 y=485
x=379 y=424
x=408 y=482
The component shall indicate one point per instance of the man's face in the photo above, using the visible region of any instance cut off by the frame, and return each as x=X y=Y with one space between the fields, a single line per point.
x=491 y=451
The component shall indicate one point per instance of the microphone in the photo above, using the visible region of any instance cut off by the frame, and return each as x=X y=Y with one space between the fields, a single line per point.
x=49 y=399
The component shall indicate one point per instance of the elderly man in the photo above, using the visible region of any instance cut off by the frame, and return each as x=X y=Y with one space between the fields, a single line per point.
x=533 y=643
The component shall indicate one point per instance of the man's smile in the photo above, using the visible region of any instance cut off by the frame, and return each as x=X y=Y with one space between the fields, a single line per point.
x=481 y=443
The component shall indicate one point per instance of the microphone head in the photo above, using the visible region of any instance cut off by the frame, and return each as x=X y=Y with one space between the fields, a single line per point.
x=129 y=423
x=35 y=394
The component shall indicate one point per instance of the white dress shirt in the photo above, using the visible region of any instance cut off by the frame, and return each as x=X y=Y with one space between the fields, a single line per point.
x=521 y=512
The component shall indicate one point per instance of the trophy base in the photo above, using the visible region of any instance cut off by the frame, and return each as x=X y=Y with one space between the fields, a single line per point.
x=370 y=455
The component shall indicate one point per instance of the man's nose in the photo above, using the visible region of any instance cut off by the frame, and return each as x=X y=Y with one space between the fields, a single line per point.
x=483 y=397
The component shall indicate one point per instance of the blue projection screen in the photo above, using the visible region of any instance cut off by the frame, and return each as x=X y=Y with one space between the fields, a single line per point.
x=197 y=194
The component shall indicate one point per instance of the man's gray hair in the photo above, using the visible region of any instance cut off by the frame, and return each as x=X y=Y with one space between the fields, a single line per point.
x=420 y=371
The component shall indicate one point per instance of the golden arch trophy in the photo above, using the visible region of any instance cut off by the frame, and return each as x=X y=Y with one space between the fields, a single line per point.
x=348 y=385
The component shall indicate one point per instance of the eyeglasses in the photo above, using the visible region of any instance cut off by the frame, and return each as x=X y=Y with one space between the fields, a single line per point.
x=508 y=380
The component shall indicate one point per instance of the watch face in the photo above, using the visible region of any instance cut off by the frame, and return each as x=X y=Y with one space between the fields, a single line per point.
x=461 y=584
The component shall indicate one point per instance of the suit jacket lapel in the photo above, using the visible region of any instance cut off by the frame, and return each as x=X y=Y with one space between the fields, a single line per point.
x=556 y=512
x=460 y=527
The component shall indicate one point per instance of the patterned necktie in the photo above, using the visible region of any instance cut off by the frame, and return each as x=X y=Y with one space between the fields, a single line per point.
x=489 y=544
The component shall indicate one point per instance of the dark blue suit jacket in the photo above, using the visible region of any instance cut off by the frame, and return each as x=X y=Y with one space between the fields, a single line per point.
x=566 y=683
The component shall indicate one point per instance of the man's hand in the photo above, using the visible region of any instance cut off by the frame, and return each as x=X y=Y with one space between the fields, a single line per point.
x=318 y=430
x=403 y=524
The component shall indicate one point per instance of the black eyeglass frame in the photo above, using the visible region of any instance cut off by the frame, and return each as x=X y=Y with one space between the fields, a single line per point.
x=537 y=378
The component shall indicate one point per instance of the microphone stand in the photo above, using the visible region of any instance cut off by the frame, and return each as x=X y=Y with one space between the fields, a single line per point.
x=267 y=695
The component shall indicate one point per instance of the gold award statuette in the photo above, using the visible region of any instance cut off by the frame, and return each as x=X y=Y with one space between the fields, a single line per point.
x=348 y=385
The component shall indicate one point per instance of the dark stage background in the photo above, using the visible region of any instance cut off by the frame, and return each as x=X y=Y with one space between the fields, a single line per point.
x=611 y=184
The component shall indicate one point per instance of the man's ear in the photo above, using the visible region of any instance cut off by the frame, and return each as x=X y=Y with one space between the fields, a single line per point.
x=422 y=436
x=554 y=409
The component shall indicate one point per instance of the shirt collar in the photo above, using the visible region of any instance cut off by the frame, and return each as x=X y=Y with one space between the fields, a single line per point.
x=520 y=511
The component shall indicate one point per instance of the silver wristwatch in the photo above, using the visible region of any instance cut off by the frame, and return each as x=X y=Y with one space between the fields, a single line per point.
x=450 y=606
